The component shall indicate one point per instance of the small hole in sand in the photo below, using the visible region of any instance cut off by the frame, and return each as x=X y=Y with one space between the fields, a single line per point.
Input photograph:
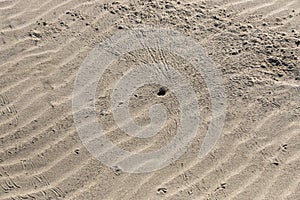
x=162 y=91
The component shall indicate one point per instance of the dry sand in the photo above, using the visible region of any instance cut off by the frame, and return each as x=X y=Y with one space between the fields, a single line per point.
x=255 y=42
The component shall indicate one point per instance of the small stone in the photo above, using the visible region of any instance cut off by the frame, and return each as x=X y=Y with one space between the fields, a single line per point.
x=223 y=185
x=274 y=61
x=35 y=34
x=284 y=147
x=162 y=191
x=275 y=162
x=117 y=170
x=280 y=75
x=76 y=151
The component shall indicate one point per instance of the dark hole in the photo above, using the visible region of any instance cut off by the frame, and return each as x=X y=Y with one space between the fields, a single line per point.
x=162 y=91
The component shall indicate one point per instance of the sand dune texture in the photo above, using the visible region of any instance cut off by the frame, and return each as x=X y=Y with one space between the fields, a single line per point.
x=256 y=44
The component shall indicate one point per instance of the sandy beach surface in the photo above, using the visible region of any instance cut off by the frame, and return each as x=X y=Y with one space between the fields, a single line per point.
x=255 y=45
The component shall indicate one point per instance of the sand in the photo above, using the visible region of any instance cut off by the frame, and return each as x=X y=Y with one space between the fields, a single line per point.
x=255 y=44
